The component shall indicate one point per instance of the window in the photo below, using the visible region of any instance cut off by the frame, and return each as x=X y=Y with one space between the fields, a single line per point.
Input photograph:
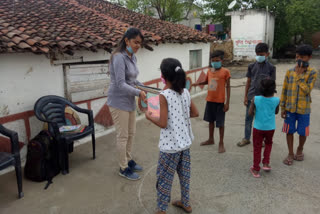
x=195 y=59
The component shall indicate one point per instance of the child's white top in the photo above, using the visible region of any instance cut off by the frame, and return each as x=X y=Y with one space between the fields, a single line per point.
x=178 y=134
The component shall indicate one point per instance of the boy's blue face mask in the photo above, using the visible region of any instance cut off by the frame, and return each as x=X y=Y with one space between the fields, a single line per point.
x=216 y=65
x=129 y=49
x=260 y=59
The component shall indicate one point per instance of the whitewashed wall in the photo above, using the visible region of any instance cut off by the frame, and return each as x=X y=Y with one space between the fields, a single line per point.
x=149 y=61
x=248 y=28
x=25 y=78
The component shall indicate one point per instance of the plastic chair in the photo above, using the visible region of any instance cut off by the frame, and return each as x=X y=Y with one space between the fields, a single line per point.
x=13 y=158
x=51 y=109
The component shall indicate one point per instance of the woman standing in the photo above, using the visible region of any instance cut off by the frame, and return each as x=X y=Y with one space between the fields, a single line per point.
x=121 y=99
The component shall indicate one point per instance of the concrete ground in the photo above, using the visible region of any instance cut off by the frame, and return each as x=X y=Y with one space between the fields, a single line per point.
x=220 y=183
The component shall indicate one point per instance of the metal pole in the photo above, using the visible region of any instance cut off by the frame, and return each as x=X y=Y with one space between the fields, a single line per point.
x=266 y=27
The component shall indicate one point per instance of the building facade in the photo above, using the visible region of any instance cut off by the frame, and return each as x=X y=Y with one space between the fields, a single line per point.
x=248 y=28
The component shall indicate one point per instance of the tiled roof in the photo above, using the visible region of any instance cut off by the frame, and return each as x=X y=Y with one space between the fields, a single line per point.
x=51 y=26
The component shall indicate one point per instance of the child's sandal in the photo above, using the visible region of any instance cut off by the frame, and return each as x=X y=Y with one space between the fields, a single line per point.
x=299 y=157
x=288 y=161
x=256 y=175
x=266 y=168
x=180 y=205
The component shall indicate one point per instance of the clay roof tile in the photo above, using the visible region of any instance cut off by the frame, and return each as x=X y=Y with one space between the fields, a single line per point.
x=24 y=45
x=82 y=24
x=44 y=49
x=11 y=44
x=31 y=42
x=44 y=43
x=17 y=39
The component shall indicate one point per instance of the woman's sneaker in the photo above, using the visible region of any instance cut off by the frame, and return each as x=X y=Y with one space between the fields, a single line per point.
x=134 y=166
x=129 y=174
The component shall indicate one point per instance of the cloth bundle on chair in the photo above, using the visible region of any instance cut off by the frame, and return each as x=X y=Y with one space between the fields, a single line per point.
x=13 y=158
x=51 y=109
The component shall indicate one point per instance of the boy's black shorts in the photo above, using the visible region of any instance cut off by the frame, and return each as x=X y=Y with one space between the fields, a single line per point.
x=214 y=113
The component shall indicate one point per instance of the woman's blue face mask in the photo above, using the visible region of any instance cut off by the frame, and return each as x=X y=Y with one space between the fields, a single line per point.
x=216 y=65
x=129 y=49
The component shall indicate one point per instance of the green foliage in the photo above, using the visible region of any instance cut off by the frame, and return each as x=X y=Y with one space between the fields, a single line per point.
x=294 y=18
x=303 y=17
x=215 y=10
x=140 y=6
x=169 y=10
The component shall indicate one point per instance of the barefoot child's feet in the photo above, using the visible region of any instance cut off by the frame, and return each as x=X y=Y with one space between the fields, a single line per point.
x=221 y=148
x=180 y=205
x=208 y=142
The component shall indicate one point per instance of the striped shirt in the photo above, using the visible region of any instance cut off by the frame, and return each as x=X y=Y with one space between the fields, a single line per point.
x=296 y=91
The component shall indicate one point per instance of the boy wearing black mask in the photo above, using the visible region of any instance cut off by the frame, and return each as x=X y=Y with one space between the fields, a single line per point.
x=295 y=101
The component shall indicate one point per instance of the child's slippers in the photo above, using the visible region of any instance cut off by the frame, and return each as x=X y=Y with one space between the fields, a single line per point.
x=299 y=157
x=254 y=175
x=180 y=205
x=266 y=168
x=288 y=161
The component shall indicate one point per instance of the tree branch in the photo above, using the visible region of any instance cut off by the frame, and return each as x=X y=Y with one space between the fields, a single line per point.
x=189 y=7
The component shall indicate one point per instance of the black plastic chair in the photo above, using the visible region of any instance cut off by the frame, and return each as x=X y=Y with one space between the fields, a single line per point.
x=13 y=158
x=51 y=109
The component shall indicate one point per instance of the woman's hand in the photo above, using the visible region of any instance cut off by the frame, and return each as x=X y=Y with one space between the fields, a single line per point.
x=143 y=96
x=142 y=109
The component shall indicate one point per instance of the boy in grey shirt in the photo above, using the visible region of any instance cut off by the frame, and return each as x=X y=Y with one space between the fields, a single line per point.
x=257 y=71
